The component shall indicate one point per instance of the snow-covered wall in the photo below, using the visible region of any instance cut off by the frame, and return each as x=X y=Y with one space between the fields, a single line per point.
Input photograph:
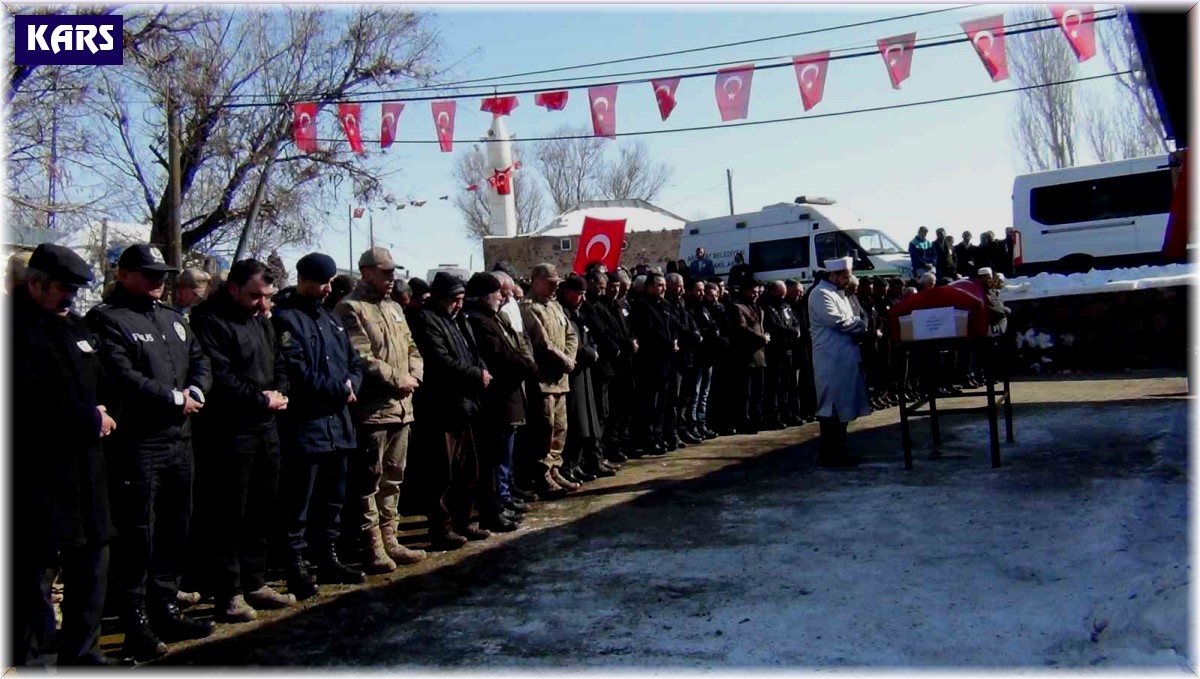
x=1115 y=280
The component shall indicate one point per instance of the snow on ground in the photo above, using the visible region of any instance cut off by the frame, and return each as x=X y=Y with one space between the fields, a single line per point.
x=1114 y=280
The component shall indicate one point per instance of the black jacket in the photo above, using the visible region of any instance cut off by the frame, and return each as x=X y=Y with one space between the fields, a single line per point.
x=964 y=259
x=686 y=330
x=453 y=384
x=583 y=418
x=780 y=322
x=319 y=360
x=245 y=362
x=148 y=352
x=604 y=335
x=708 y=324
x=651 y=324
x=59 y=484
x=499 y=347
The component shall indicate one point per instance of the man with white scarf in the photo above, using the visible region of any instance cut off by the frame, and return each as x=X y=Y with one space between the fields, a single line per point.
x=837 y=367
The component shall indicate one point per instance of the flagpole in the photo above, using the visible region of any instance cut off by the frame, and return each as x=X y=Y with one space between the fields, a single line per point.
x=350 y=230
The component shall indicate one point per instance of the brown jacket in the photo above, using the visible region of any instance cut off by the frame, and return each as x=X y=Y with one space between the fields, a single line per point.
x=553 y=339
x=379 y=333
x=748 y=335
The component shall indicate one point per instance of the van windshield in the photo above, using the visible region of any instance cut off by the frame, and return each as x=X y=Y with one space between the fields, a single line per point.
x=875 y=242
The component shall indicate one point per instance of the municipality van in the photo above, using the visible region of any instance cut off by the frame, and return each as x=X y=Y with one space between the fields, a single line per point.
x=792 y=240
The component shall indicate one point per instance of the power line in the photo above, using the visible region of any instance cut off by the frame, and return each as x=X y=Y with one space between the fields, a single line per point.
x=756 y=67
x=699 y=128
x=489 y=81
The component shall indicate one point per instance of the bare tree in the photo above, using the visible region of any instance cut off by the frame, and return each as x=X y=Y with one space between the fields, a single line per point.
x=471 y=169
x=1139 y=130
x=1045 y=126
x=570 y=167
x=633 y=175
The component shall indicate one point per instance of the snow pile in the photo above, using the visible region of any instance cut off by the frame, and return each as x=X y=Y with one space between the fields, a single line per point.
x=1114 y=280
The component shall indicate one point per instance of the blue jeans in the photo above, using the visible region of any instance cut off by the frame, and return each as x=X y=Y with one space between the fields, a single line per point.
x=697 y=411
x=504 y=470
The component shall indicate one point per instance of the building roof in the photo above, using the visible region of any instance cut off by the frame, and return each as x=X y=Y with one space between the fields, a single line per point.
x=638 y=215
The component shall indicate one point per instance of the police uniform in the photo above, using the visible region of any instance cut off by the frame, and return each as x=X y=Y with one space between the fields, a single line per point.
x=150 y=357
x=59 y=486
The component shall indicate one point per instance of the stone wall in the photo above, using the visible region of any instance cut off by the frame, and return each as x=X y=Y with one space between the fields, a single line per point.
x=524 y=252
x=1109 y=331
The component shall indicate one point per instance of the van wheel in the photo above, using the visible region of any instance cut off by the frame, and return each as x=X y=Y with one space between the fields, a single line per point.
x=1075 y=264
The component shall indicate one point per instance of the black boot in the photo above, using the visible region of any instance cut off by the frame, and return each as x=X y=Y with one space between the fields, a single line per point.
x=331 y=571
x=140 y=642
x=300 y=582
x=173 y=625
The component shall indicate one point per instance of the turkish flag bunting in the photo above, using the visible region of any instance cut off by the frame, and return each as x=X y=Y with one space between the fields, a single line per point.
x=987 y=35
x=601 y=241
x=304 y=126
x=553 y=101
x=810 y=76
x=897 y=56
x=387 y=125
x=664 y=92
x=733 y=91
x=498 y=106
x=350 y=115
x=473 y=187
x=1078 y=24
x=358 y=212
x=604 y=110
x=443 y=119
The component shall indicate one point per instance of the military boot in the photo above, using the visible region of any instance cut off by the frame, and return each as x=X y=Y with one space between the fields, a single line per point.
x=140 y=642
x=300 y=582
x=331 y=571
x=398 y=552
x=375 y=558
x=173 y=625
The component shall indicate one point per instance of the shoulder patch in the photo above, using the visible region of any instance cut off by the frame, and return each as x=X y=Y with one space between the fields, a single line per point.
x=285 y=340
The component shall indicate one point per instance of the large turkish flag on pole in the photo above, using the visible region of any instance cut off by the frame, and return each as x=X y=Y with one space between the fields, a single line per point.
x=601 y=241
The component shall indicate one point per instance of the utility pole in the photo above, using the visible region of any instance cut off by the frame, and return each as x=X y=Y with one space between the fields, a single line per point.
x=52 y=170
x=260 y=192
x=350 y=230
x=729 y=181
x=174 y=245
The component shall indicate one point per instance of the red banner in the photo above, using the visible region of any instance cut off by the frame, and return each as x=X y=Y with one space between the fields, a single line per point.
x=1078 y=24
x=350 y=115
x=733 y=92
x=304 y=126
x=664 y=93
x=388 y=123
x=810 y=76
x=604 y=110
x=443 y=120
x=498 y=106
x=601 y=241
x=553 y=101
x=897 y=56
x=987 y=35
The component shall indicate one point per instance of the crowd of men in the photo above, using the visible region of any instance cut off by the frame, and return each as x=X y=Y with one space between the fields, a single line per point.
x=289 y=416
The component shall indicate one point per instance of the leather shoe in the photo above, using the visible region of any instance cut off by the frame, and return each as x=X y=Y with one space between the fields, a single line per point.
x=688 y=437
x=580 y=474
x=515 y=505
x=522 y=494
x=600 y=470
x=510 y=515
x=615 y=456
x=498 y=524
x=557 y=476
x=447 y=542
x=172 y=625
x=474 y=532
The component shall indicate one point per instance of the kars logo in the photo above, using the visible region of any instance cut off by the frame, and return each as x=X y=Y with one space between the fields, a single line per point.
x=68 y=40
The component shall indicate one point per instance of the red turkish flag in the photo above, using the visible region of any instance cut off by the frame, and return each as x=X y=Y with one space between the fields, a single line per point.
x=388 y=123
x=810 y=76
x=1078 y=24
x=897 y=56
x=733 y=91
x=601 y=241
x=358 y=212
x=553 y=101
x=498 y=106
x=987 y=35
x=443 y=119
x=664 y=92
x=604 y=110
x=350 y=115
x=473 y=187
x=304 y=126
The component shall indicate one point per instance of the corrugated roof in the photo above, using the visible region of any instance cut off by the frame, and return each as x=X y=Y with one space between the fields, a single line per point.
x=639 y=215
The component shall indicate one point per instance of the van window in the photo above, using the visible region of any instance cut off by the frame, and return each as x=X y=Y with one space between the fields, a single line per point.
x=777 y=255
x=1146 y=193
x=837 y=244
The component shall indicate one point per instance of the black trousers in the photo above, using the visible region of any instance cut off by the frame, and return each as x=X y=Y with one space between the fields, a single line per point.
x=653 y=400
x=451 y=473
x=85 y=576
x=242 y=492
x=151 y=498
x=747 y=392
x=312 y=490
x=672 y=419
x=619 y=390
x=776 y=390
x=832 y=445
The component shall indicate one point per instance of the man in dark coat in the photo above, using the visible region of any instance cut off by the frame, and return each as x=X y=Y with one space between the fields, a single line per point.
x=503 y=405
x=657 y=345
x=701 y=304
x=159 y=376
x=749 y=361
x=59 y=485
x=675 y=425
x=324 y=375
x=964 y=256
x=780 y=322
x=611 y=341
x=612 y=298
x=237 y=441
x=584 y=426
x=447 y=407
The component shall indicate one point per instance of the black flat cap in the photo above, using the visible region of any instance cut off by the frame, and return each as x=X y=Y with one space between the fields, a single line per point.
x=573 y=282
x=317 y=267
x=142 y=257
x=446 y=285
x=62 y=264
x=482 y=284
x=418 y=286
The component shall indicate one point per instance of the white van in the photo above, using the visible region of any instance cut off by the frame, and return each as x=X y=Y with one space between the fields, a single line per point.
x=1094 y=216
x=791 y=240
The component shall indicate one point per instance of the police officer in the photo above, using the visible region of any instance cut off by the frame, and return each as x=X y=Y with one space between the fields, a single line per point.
x=159 y=374
x=324 y=375
x=59 y=483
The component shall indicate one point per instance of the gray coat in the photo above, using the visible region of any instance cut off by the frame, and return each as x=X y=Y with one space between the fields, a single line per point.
x=837 y=367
